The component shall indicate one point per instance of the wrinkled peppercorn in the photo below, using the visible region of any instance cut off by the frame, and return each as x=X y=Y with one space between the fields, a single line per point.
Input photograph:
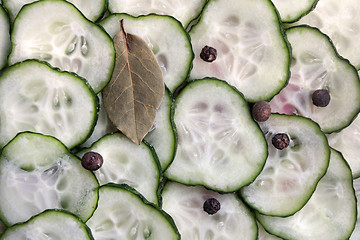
x=321 y=98
x=280 y=141
x=92 y=161
x=261 y=111
x=208 y=54
x=211 y=206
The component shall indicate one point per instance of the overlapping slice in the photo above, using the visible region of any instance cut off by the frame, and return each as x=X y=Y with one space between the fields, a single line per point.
x=124 y=214
x=35 y=97
x=290 y=175
x=317 y=66
x=293 y=10
x=219 y=144
x=186 y=205
x=172 y=50
x=50 y=224
x=37 y=172
x=127 y=163
x=356 y=233
x=56 y=32
x=252 y=53
x=5 y=45
x=329 y=214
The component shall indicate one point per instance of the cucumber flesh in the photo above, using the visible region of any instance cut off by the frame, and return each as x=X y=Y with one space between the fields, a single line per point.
x=316 y=65
x=293 y=10
x=5 y=44
x=63 y=37
x=329 y=214
x=185 y=205
x=37 y=172
x=264 y=235
x=356 y=233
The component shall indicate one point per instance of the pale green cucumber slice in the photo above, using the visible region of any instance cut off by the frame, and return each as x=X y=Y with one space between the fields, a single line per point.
x=92 y=9
x=356 y=233
x=38 y=172
x=128 y=163
x=264 y=235
x=35 y=97
x=50 y=224
x=163 y=136
x=329 y=214
x=183 y=10
x=5 y=44
x=290 y=175
x=185 y=205
x=252 y=53
x=347 y=142
x=293 y=10
x=122 y=213
x=219 y=144
x=63 y=37
x=316 y=65
x=166 y=38
x=339 y=20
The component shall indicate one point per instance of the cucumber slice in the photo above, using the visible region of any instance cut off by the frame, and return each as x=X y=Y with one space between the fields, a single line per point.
x=339 y=20
x=347 y=142
x=185 y=204
x=264 y=235
x=122 y=213
x=63 y=37
x=330 y=212
x=37 y=172
x=5 y=45
x=173 y=50
x=291 y=11
x=126 y=162
x=50 y=224
x=219 y=144
x=316 y=65
x=92 y=9
x=290 y=175
x=2 y=227
x=184 y=10
x=35 y=97
x=356 y=233
x=252 y=53
x=163 y=137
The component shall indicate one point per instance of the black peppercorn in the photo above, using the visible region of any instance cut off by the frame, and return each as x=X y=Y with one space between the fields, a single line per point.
x=208 y=54
x=321 y=98
x=261 y=111
x=280 y=141
x=92 y=161
x=211 y=206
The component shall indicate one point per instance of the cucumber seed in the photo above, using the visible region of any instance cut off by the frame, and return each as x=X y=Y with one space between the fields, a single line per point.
x=321 y=98
x=280 y=141
x=92 y=161
x=208 y=54
x=211 y=206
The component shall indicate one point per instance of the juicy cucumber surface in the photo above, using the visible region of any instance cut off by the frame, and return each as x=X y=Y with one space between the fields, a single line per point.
x=316 y=65
x=35 y=97
x=219 y=144
x=330 y=214
x=293 y=10
x=38 y=172
x=50 y=224
x=5 y=45
x=56 y=32
x=252 y=53
x=356 y=233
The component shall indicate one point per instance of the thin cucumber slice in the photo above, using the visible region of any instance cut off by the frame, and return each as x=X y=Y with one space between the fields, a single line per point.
x=316 y=65
x=128 y=163
x=163 y=136
x=330 y=213
x=252 y=53
x=5 y=44
x=185 y=204
x=264 y=235
x=356 y=233
x=63 y=37
x=182 y=10
x=339 y=20
x=50 y=224
x=290 y=175
x=293 y=10
x=35 y=97
x=122 y=213
x=219 y=144
x=173 y=50
x=38 y=172
x=347 y=142
x=92 y=9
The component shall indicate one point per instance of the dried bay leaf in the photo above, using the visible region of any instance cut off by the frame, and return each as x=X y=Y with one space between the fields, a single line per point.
x=136 y=89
